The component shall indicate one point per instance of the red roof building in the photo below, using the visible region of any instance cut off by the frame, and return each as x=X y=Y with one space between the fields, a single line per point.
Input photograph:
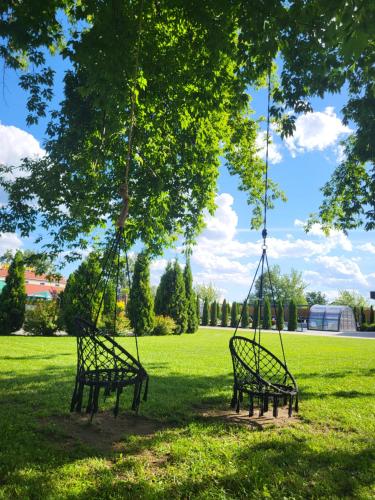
x=36 y=285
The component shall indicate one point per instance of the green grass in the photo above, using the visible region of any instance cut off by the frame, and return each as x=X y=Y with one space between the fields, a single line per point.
x=328 y=453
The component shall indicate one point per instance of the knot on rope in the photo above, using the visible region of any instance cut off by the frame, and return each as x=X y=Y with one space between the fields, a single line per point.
x=264 y=233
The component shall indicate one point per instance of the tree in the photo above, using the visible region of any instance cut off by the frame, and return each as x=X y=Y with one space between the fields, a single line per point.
x=362 y=316
x=218 y=311
x=170 y=297
x=256 y=314
x=224 y=313
x=140 y=307
x=292 y=316
x=205 y=312
x=280 y=316
x=350 y=298
x=245 y=316
x=233 y=315
x=372 y=317
x=13 y=297
x=316 y=298
x=198 y=310
x=285 y=286
x=81 y=297
x=267 y=320
x=192 y=321
x=333 y=40
x=207 y=291
x=213 y=314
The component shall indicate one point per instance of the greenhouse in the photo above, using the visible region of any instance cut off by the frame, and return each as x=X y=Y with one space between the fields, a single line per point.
x=332 y=318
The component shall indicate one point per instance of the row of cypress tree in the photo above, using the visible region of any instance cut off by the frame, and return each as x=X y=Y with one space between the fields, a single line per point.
x=239 y=314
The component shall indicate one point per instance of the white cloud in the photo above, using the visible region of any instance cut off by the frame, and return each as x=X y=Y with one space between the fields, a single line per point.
x=274 y=154
x=9 y=241
x=367 y=247
x=221 y=226
x=16 y=144
x=342 y=269
x=316 y=131
x=335 y=238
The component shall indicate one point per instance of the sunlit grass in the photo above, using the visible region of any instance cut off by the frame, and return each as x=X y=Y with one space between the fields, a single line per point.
x=328 y=453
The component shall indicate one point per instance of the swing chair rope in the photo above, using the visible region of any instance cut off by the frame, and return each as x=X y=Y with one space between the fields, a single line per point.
x=264 y=259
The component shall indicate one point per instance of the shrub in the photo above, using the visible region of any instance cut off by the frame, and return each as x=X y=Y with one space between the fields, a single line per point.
x=164 y=325
x=367 y=327
x=267 y=321
x=43 y=318
x=292 y=316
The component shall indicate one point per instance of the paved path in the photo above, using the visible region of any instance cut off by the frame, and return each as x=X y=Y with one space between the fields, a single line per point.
x=315 y=333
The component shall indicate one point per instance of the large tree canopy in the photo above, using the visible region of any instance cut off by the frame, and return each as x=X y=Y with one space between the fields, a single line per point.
x=160 y=90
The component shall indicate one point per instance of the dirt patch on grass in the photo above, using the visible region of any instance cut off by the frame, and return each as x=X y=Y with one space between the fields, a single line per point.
x=104 y=433
x=229 y=416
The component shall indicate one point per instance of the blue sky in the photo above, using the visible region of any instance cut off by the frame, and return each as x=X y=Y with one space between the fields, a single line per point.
x=228 y=251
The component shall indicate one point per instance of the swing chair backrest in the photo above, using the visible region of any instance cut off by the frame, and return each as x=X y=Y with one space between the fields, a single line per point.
x=100 y=352
x=254 y=364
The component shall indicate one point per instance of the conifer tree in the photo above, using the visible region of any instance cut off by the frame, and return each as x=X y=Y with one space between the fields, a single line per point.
x=164 y=292
x=280 y=316
x=192 y=321
x=13 y=297
x=80 y=297
x=267 y=320
x=198 y=310
x=372 y=318
x=205 y=312
x=292 y=316
x=213 y=314
x=245 y=315
x=140 y=307
x=362 y=316
x=177 y=307
x=233 y=315
x=256 y=314
x=224 y=314
x=218 y=311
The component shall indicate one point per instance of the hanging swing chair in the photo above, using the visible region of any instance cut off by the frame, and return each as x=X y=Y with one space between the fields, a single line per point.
x=257 y=371
x=102 y=363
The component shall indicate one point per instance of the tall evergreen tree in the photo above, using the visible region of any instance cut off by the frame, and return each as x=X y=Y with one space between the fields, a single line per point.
x=292 y=316
x=245 y=316
x=256 y=314
x=372 y=318
x=362 y=316
x=13 y=297
x=81 y=297
x=164 y=291
x=198 y=310
x=205 y=313
x=224 y=314
x=267 y=320
x=280 y=316
x=218 y=311
x=140 y=307
x=213 y=314
x=233 y=315
x=177 y=307
x=192 y=321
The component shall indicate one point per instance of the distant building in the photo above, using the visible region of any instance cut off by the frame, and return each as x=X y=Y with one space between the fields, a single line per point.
x=37 y=286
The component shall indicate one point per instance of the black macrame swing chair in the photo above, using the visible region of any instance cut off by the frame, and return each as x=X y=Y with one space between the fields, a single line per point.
x=102 y=363
x=257 y=371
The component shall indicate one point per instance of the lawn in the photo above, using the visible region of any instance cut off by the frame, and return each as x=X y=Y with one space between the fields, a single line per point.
x=179 y=452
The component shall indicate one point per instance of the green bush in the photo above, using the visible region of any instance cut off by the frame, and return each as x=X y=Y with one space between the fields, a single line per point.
x=164 y=325
x=367 y=327
x=43 y=318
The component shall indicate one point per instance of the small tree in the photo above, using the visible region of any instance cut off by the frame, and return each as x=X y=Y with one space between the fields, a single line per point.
x=362 y=316
x=267 y=320
x=292 y=316
x=256 y=315
x=13 y=297
x=218 y=311
x=213 y=314
x=192 y=321
x=224 y=313
x=245 y=316
x=205 y=312
x=233 y=315
x=140 y=307
x=280 y=315
x=372 y=318
x=198 y=310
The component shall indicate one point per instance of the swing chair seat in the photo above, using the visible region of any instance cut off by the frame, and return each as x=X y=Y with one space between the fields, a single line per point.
x=261 y=375
x=104 y=364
